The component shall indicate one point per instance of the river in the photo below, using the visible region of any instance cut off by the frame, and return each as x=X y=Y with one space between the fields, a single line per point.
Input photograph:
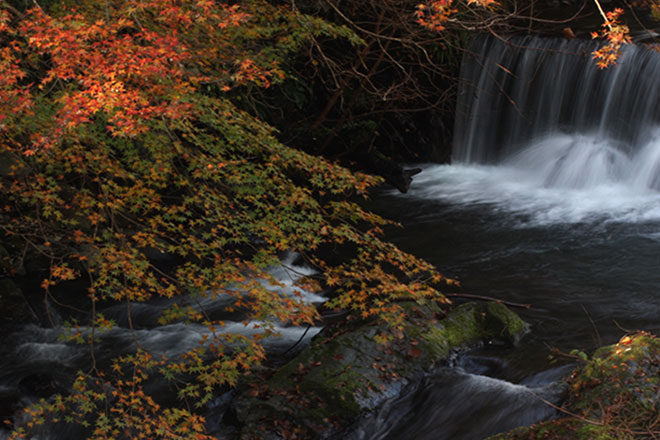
x=552 y=200
x=38 y=362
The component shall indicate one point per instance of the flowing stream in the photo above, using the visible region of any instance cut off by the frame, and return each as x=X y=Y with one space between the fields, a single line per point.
x=553 y=200
x=39 y=362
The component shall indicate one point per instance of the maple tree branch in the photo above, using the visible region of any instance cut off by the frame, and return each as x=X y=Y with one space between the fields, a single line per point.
x=298 y=341
x=600 y=9
x=13 y=9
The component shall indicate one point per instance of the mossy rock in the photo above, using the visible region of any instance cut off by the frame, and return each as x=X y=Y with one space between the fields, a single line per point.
x=615 y=396
x=564 y=429
x=473 y=323
x=341 y=375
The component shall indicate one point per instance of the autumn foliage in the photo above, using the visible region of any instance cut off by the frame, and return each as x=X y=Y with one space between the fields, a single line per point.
x=122 y=140
x=436 y=14
x=123 y=143
x=616 y=34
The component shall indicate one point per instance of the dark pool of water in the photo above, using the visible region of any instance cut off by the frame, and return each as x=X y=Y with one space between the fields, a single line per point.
x=589 y=271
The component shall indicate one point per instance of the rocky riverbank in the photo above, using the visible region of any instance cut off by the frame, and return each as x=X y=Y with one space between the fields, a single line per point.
x=614 y=395
x=345 y=374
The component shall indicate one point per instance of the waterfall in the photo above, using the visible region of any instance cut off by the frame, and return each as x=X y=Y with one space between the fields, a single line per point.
x=542 y=105
x=552 y=198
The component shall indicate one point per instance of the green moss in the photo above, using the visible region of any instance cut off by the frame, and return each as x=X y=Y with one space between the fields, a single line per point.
x=503 y=323
x=564 y=429
x=620 y=383
x=471 y=323
x=436 y=343
x=589 y=431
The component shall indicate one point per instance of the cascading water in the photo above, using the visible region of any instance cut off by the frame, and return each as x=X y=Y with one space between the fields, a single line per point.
x=541 y=130
x=552 y=199
x=39 y=363
x=517 y=91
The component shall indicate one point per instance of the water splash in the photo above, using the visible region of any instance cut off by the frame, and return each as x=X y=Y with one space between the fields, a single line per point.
x=543 y=133
x=447 y=405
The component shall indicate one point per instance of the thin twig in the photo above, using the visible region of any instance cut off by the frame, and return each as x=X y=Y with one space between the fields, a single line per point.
x=598 y=341
x=488 y=298
x=299 y=340
x=600 y=9
x=565 y=411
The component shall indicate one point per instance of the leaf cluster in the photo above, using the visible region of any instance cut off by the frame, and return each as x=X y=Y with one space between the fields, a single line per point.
x=124 y=143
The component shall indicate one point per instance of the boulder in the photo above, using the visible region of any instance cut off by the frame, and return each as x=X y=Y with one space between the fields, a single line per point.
x=347 y=372
x=614 y=395
x=13 y=306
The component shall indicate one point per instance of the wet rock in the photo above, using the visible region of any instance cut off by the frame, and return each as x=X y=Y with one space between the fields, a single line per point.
x=342 y=375
x=614 y=395
x=40 y=385
x=13 y=306
x=391 y=171
x=10 y=403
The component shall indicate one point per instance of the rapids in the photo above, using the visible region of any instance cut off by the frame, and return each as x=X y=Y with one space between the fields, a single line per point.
x=39 y=362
